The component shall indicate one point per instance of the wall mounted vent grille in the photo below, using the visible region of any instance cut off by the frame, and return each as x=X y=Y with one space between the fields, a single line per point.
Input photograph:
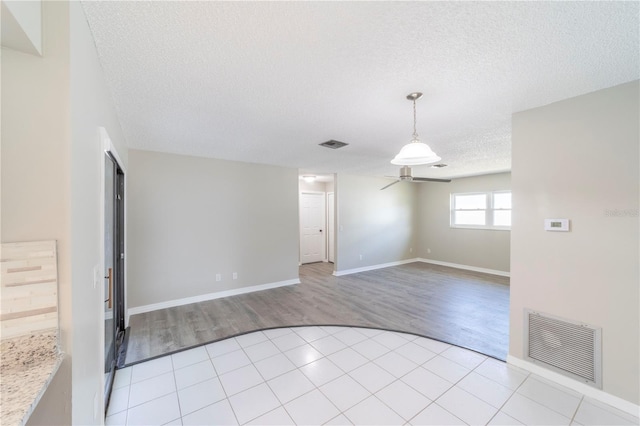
x=333 y=144
x=567 y=347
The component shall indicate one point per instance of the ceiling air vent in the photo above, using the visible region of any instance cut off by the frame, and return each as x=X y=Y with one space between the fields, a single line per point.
x=333 y=144
x=567 y=347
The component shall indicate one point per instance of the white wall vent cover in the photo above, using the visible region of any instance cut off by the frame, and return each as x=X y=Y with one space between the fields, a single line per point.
x=567 y=347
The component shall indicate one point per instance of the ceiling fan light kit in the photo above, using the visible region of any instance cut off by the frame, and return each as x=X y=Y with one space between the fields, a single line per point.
x=406 y=176
x=415 y=152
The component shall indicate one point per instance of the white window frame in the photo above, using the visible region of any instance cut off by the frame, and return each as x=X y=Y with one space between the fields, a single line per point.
x=488 y=211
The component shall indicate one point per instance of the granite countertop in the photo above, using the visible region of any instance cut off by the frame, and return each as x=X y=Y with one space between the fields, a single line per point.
x=27 y=365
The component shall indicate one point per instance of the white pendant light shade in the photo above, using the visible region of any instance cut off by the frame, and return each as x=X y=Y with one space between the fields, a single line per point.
x=415 y=153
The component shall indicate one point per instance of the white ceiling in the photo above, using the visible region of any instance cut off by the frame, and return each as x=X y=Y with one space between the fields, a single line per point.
x=266 y=82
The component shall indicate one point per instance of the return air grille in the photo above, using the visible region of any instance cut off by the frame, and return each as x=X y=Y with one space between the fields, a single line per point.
x=568 y=347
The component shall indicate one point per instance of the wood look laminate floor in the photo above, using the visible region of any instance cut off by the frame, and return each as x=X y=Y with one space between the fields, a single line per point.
x=464 y=308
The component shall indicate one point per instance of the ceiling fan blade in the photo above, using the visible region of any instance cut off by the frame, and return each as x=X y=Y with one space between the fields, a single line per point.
x=419 y=179
x=392 y=183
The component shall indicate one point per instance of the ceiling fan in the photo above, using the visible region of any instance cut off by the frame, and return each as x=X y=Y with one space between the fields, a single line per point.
x=405 y=175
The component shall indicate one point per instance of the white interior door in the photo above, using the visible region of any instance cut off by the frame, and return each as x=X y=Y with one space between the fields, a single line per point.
x=331 y=225
x=312 y=227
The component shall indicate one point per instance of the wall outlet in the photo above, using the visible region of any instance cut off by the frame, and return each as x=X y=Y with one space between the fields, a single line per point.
x=411 y=250
x=235 y=275
x=360 y=257
x=428 y=250
x=218 y=277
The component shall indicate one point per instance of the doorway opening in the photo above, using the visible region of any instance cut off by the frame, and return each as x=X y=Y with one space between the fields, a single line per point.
x=317 y=223
x=312 y=227
x=114 y=267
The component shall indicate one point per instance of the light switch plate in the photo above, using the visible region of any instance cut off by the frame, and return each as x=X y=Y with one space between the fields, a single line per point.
x=561 y=225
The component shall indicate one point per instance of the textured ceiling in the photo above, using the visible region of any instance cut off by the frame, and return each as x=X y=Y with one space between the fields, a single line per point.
x=266 y=82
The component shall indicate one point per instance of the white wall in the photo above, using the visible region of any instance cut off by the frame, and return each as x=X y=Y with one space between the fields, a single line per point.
x=22 y=26
x=376 y=224
x=91 y=107
x=312 y=186
x=578 y=159
x=330 y=186
x=51 y=108
x=480 y=248
x=192 y=218
x=36 y=167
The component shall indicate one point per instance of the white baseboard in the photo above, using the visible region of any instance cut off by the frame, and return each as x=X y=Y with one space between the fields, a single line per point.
x=466 y=267
x=373 y=267
x=590 y=391
x=209 y=296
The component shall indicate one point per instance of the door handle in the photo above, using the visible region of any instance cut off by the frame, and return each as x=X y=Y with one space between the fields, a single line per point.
x=110 y=278
x=321 y=230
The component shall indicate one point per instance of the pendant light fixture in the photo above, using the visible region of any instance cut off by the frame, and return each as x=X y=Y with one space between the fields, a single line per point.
x=415 y=152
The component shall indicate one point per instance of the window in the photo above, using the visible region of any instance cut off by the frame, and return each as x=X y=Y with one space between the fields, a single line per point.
x=483 y=210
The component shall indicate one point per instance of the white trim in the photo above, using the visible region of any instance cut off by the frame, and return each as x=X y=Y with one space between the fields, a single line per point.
x=488 y=210
x=331 y=232
x=372 y=267
x=102 y=138
x=466 y=267
x=312 y=192
x=209 y=296
x=481 y=228
x=107 y=146
x=420 y=259
x=583 y=388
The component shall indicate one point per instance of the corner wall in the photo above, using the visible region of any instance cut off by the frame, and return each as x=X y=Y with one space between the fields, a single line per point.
x=375 y=224
x=578 y=159
x=91 y=107
x=35 y=169
x=51 y=154
x=437 y=241
x=191 y=218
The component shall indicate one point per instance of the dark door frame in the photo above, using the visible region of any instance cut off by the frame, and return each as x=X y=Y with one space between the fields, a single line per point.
x=118 y=249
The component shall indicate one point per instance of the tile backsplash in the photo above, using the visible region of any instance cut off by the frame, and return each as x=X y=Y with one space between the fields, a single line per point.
x=28 y=288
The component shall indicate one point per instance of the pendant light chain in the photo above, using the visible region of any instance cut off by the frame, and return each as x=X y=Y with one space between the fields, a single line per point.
x=415 y=152
x=415 y=132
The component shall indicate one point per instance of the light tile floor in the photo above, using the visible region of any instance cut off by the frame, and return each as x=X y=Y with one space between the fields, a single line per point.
x=342 y=376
